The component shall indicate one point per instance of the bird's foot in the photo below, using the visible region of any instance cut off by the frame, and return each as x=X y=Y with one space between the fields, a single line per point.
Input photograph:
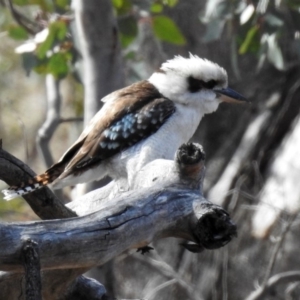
x=145 y=249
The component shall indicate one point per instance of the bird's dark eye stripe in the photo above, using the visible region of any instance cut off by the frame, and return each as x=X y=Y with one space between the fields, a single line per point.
x=195 y=85
x=210 y=84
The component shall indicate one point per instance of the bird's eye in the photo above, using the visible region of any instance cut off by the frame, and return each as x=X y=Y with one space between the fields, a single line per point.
x=210 y=84
x=194 y=85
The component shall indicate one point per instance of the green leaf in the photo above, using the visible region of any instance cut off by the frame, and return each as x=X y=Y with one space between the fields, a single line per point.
x=47 y=44
x=43 y=4
x=41 y=67
x=274 y=53
x=166 y=30
x=21 y=2
x=252 y=38
x=216 y=10
x=126 y=40
x=124 y=8
x=57 y=31
x=156 y=8
x=61 y=29
x=130 y=55
x=293 y=4
x=117 y=3
x=64 y=4
x=17 y=32
x=58 y=65
x=273 y=21
x=29 y=61
x=170 y=3
x=27 y=47
x=296 y=44
x=128 y=26
x=247 y=13
x=214 y=29
x=128 y=30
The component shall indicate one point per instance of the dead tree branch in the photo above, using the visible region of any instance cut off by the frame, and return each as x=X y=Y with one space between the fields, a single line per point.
x=43 y=202
x=131 y=221
x=46 y=206
x=172 y=206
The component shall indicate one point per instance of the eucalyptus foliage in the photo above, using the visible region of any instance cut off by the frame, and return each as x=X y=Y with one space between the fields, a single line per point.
x=255 y=27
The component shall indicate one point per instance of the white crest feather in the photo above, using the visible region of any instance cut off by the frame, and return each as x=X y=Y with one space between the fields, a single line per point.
x=196 y=67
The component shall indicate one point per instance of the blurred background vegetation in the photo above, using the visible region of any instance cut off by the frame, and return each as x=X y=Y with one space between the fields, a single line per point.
x=257 y=42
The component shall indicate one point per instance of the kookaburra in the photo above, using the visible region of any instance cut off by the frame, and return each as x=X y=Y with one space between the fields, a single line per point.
x=147 y=120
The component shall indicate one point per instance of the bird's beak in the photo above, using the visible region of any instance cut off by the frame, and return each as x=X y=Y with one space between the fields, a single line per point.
x=229 y=95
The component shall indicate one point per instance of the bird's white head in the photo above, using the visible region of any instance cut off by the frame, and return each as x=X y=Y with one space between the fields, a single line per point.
x=194 y=81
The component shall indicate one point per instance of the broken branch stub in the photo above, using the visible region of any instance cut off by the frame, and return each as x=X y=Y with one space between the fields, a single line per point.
x=190 y=159
x=31 y=262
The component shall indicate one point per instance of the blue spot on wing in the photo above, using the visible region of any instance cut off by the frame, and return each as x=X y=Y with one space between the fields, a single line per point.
x=123 y=128
x=134 y=127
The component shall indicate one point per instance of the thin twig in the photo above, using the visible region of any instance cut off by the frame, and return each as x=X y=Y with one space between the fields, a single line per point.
x=225 y=274
x=30 y=26
x=236 y=193
x=48 y=128
x=74 y=119
x=272 y=282
x=153 y=292
x=278 y=245
x=290 y=289
x=166 y=270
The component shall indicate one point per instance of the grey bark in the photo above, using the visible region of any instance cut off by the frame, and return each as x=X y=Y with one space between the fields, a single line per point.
x=102 y=65
x=43 y=202
x=31 y=262
x=89 y=290
x=47 y=206
x=129 y=221
x=99 y=45
x=52 y=119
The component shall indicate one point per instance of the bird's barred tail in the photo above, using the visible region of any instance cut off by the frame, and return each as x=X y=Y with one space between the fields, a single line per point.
x=33 y=184
x=16 y=191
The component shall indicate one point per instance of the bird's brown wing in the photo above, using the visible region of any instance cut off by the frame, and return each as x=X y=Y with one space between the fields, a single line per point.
x=117 y=105
x=128 y=116
x=121 y=134
x=56 y=169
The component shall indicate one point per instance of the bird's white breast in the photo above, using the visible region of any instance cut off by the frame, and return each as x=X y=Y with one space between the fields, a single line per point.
x=178 y=129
